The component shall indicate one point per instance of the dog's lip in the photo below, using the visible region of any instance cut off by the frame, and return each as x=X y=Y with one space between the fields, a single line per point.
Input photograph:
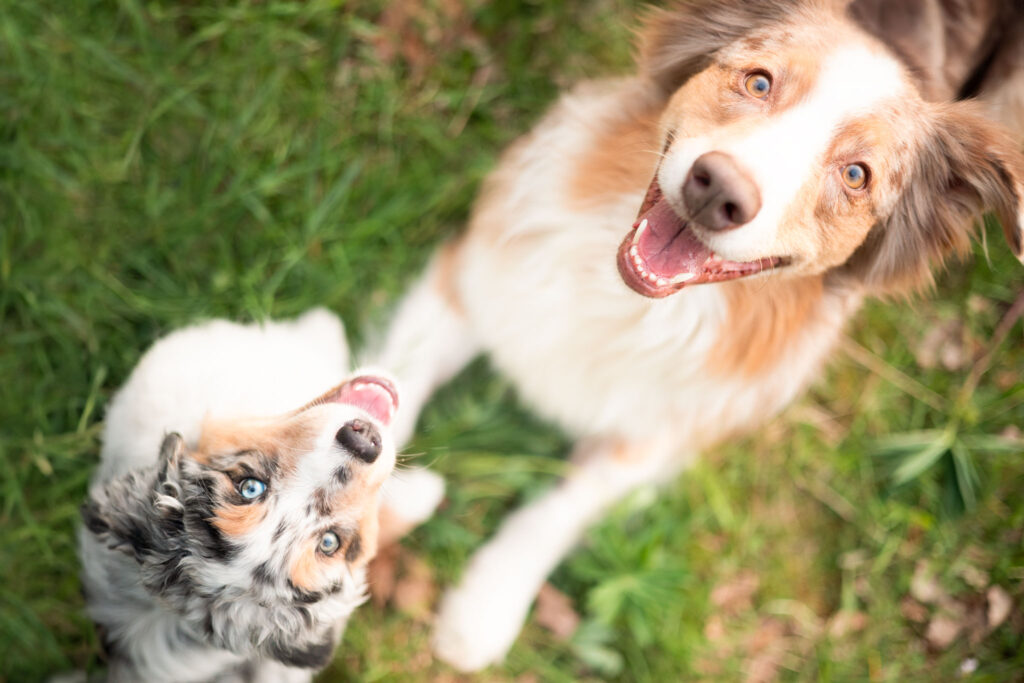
x=657 y=272
x=373 y=394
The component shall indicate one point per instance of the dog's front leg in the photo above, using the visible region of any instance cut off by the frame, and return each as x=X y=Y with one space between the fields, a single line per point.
x=480 y=618
x=427 y=342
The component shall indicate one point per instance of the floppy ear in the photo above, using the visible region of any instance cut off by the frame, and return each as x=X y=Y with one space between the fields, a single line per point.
x=680 y=40
x=965 y=166
x=139 y=511
x=171 y=451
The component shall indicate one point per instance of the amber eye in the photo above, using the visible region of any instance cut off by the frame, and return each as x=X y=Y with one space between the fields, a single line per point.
x=758 y=85
x=855 y=176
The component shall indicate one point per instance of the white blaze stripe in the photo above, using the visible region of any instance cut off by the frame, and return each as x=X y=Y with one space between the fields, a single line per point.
x=782 y=154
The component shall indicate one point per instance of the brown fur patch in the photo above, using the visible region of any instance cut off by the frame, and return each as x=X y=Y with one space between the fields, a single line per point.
x=447 y=265
x=307 y=570
x=282 y=439
x=238 y=520
x=622 y=158
x=763 y=320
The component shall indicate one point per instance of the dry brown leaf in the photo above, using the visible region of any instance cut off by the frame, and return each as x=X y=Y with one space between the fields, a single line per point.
x=846 y=621
x=942 y=631
x=767 y=646
x=714 y=628
x=555 y=613
x=923 y=586
x=735 y=594
x=382 y=573
x=1000 y=604
x=764 y=668
x=415 y=590
x=912 y=610
x=943 y=344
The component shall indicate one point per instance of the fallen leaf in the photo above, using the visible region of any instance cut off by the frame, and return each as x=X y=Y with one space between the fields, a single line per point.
x=1000 y=604
x=382 y=573
x=770 y=632
x=1012 y=432
x=735 y=594
x=942 y=631
x=924 y=587
x=974 y=577
x=943 y=344
x=415 y=590
x=768 y=647
x=914 y=611
x=714 y=628
x=555 y=613
x=846 y=621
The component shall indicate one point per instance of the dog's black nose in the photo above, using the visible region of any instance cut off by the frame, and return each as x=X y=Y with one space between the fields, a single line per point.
x=361 y=439
x=718 y=194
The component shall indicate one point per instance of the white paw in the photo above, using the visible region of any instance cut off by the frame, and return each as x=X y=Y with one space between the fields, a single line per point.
x=480 y=619
x=413 y=494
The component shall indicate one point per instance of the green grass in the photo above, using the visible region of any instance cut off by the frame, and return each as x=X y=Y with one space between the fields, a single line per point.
x=164 y=161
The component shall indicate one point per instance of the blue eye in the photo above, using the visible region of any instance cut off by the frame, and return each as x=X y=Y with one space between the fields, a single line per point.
x=251 y=488
x=329 y=543
x=758 y=85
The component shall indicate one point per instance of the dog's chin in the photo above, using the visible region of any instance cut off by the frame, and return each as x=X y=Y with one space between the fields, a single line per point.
x=663 y=253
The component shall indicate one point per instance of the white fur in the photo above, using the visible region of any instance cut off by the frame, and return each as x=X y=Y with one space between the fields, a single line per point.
x=537 y=280
x=262 y=370
x=783 y=153
x=221 y=370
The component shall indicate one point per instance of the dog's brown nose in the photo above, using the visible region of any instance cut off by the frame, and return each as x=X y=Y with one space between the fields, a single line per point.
x=360 y=439
x=718 y=194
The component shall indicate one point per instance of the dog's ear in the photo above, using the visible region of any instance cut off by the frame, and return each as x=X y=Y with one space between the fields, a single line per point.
x=138 y=512
x=678 y=41
x=172 y=449
x=965 y=166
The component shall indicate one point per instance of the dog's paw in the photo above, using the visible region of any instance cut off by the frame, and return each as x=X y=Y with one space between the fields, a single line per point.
x=408 y=499
x=414 y=493
x=478 y=623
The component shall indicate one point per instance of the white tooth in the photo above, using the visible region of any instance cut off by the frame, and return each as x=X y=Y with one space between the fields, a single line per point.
x=639 y=231
x=662 y=282
x=716 y=258
x=633 y=251
x=652 y=277
x=637 y=260
x=683 y=277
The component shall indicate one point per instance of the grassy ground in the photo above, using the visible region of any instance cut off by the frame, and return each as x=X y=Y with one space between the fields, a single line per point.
x=169 y=160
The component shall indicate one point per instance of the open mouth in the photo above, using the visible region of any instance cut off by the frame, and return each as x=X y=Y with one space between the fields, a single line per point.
x=661 y=254
x=376 y=395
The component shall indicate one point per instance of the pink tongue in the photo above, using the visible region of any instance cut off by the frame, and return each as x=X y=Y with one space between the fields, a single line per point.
x=369 y=395
x=667 y=245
